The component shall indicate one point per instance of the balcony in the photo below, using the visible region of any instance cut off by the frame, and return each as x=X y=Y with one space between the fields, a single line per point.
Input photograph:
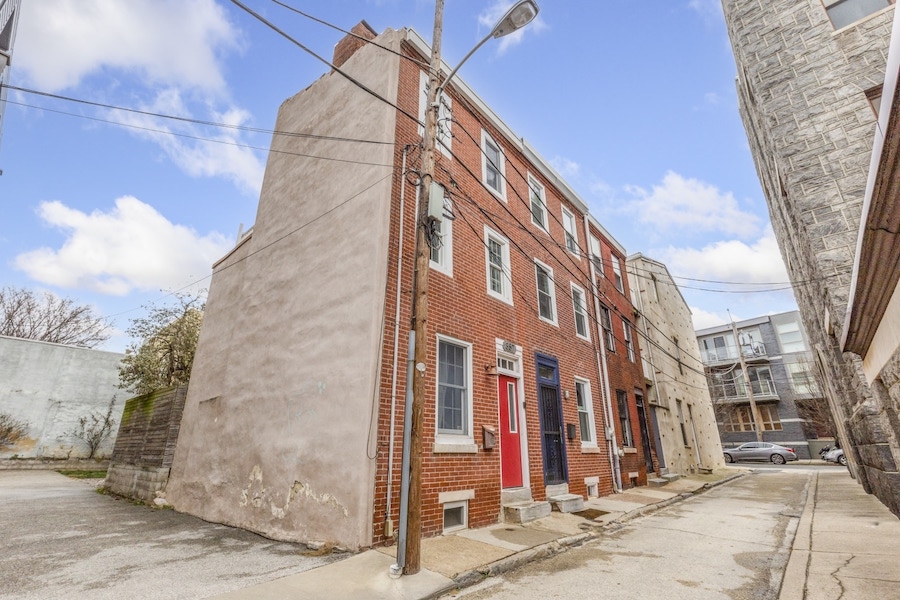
x=754 y=352
x=737 y=391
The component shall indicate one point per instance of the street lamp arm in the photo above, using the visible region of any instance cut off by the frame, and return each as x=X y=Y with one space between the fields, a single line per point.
x=441 y=87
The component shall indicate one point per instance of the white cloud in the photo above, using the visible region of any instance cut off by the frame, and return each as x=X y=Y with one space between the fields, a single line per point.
x=703 y=318
x=707 y=8
x=490 y=15
x=691 y=206
x=60 y=42
x=732 y=261
x=711 y=98
x=219 y=152
x=565 y=167
x=132 y=247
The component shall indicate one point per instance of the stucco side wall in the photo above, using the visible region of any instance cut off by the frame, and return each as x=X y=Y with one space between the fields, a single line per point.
x=278 y=427
x=51 y=386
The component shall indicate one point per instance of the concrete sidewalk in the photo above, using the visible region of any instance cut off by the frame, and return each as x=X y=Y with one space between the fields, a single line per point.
x=847 y=544
x=466 y=557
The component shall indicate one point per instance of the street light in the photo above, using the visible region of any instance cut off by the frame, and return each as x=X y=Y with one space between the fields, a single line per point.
x=520 y=15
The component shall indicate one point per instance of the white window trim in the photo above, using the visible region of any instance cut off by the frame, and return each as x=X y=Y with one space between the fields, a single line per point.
x=501 y=193
x=449 y=442
x=507 y=295
x=589 y=406
x=444 y=138
x=618 y=280
x=446 y=264
x=587 y=324
x=569 y=216
x=464 y=504
x=555 y=321
x=628 y=339
x=542 y=193
x=596 y=249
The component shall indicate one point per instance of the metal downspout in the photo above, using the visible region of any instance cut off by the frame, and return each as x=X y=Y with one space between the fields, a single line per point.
x=603 y=372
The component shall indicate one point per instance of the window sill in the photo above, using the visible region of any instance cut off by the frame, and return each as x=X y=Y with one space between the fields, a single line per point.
x=629 y=450
x=456 y=448
x=590 y=450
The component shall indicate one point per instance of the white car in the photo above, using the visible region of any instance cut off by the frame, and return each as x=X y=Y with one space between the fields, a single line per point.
x=836 y=455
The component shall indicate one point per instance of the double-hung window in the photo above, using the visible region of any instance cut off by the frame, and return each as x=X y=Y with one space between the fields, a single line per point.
x=624 y=419
x=493 y=165
x=454 y=392
x=442 y=250
x=580 y=307
x=629 y=343
x=617 y=274
x=606 y=324
x=585 y=406
x=499 y=277
x=546 y=292
x=568 y=220
x=538 y=203
x=597 y=256
x=444 y=136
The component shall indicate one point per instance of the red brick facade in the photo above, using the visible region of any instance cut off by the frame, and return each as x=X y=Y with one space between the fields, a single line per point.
x=461 y=308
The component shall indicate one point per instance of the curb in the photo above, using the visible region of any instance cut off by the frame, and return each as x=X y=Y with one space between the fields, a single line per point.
x=519 y=559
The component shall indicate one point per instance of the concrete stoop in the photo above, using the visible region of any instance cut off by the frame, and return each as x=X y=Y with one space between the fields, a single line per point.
x=657 y=482
x=567 y=503
x=671 y=477
x=523 y=512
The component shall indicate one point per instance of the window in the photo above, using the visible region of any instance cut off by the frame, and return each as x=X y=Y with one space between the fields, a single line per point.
x=681 y=422
x=629 y=344
x=578 y=303
x=714 y=349
x=499 y=278
x=617 y=274
x=442 y=255
x=492 y=165
x=678 y=354
x=597 y=255
x=847 y=12
x=791 y=337
x=568 y=220
x=585 y=412
x=802 y=379
x=444 y=121
x=454 y=389
x=740 y=418
x=874 y=97
x=546 y=292
x=606 y=324
x=456 y=516
x=624 y=419
x=538 y=203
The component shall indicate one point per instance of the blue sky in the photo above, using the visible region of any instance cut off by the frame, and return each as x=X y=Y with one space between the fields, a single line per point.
x=632 y=102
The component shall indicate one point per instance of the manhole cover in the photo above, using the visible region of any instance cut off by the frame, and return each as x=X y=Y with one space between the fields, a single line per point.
x=591 y=513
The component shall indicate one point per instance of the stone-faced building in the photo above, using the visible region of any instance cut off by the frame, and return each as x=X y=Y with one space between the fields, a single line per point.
x=681 y=411
x=293 y=424
x=809 y=75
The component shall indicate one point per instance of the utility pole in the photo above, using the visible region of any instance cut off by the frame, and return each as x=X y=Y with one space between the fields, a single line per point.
x=754 y=410
x=420 y=304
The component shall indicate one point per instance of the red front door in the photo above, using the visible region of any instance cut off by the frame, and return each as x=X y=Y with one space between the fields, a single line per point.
x=510 y=448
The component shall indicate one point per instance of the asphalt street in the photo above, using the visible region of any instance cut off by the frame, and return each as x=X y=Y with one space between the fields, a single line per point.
x=63 y=540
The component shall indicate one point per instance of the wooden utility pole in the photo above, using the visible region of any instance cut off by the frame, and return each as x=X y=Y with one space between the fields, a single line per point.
x=420 y=305
x=754 y=410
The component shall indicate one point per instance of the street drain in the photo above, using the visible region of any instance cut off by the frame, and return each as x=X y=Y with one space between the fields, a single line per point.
x=591 y=513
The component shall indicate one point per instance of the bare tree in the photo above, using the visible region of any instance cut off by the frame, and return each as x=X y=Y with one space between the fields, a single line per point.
x=165 y=353
x=11 y=430
x=94 y=428
x=48 y=318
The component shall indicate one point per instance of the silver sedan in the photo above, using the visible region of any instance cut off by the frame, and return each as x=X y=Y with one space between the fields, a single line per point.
x=760 y=451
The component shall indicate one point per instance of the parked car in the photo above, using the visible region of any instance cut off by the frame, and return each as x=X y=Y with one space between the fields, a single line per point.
x=836 y=455
x=760 y=451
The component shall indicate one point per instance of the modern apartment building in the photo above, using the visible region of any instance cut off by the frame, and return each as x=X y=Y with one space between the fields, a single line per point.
x=780 y=375
x=293 y=425
x=9 y=17
x=810 y=77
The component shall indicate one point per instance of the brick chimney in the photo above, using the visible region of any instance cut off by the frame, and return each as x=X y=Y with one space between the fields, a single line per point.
x=345 y=48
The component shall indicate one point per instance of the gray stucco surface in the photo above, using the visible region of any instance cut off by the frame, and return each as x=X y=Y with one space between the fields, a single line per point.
x=51 y=386
x=280 y=416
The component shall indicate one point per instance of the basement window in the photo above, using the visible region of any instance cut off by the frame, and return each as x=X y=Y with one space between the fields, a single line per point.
x=456 y=516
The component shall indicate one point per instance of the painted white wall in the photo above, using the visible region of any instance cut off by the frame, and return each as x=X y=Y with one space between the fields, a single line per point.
x=51 y=386
x=279 y=426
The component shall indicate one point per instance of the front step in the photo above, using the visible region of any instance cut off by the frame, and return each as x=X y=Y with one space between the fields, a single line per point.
x=567 y=503
x=658 y=481
x=671 y=476
x=523 y=512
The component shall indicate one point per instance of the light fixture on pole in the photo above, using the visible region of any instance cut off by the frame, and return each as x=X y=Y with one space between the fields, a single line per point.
x=521 y=14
